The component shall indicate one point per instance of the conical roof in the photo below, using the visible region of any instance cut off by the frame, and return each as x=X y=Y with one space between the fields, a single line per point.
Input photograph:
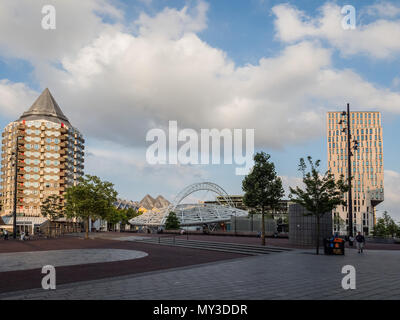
x=45 y=107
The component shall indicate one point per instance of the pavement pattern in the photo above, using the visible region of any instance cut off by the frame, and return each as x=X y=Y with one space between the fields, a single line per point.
x=298 y=274
x=158 y=258
x=37 y=259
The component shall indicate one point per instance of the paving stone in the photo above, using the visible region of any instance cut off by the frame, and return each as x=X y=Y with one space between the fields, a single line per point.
x=289 y=275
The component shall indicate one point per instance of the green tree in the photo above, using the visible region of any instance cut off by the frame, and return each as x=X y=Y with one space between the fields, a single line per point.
x=321 y=194
x=114 y=216
x=386 y=227
x=129 y=214
x=263 y=188
x=172 y=222
x=91 y=198
x=53 y=207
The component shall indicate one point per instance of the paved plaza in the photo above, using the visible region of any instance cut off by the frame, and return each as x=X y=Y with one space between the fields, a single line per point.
x=37 y=259
x=297 y=274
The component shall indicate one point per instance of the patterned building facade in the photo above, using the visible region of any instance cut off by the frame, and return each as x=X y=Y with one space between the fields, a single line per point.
x=366 y=164
x=50 y=157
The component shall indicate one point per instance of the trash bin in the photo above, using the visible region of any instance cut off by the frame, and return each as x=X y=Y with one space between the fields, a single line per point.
x=334 y=246
x=338 y=246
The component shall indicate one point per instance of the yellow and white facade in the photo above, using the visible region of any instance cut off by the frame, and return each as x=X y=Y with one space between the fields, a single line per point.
x=366 y=164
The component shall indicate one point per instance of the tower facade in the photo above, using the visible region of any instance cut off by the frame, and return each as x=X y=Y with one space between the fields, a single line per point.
x=366 y=165
x=50 y=157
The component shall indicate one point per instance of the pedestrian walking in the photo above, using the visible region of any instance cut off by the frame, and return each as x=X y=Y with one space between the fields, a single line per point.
x=351 y=240
x=5 y=234
x=360 y=240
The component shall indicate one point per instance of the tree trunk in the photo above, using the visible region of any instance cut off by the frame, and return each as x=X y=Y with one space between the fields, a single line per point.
x=318 y=231
x=87 y=229
x=262 y=228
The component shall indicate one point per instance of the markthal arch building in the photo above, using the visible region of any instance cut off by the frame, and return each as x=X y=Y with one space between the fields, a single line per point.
x=50 y=158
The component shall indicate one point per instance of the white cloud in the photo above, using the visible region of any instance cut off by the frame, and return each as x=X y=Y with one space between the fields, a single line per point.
x=77 y=24
x=396 y=82
x=15 y=98
x=392 y=194
x=117 y=85
x=127 y=167
x=383 y=9
x=293 y=182
x=378 y=39
x=172 y=23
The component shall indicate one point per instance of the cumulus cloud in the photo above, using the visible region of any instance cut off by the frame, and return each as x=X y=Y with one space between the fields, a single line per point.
x=293 y=182
x=132 y=174
x=77 y=24
x=378 y=39
x=382 y=9
x=115 y=84
x=15 y=98
x=392 y=194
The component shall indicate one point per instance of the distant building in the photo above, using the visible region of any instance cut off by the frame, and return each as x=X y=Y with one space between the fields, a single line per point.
x=280 y=215
x=126 y=204
x=367 y=167
x=50 y=157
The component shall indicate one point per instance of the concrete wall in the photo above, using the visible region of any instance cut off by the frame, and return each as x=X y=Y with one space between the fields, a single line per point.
x=252 y=223
x=302 y=229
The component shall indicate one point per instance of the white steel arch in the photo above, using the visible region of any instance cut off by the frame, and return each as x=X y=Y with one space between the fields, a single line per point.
x=193 y=214
x=207 y=186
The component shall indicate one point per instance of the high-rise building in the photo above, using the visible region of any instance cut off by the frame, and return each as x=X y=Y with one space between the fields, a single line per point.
x=366 y=166
x=50 y=157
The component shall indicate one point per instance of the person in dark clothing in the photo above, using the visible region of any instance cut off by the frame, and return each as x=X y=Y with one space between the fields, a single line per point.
x=360 y=242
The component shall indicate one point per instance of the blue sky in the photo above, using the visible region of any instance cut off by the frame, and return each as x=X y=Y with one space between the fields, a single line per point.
x=120 y=68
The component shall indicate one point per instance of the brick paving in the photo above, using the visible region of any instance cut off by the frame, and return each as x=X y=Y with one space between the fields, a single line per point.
x=37 y=259
x=298 y=274
x=159 y=258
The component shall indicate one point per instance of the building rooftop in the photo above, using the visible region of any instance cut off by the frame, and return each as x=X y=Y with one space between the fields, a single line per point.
x=45 y=107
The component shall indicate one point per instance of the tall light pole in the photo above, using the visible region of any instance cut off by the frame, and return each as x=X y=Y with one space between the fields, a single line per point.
x=349 y=173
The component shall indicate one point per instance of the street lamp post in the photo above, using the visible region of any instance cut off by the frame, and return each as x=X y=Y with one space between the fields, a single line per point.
x=349 y=173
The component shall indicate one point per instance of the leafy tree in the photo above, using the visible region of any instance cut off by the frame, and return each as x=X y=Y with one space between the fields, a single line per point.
x=172 y=222
x=122 y=216
x=53 y=207
x=129 y=214
x=90 y=198
x=386 y=227
x=114 y=216
x=321 y=194
x=263 y=188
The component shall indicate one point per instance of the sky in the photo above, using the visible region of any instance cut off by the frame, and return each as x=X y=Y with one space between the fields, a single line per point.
x=121 y=68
